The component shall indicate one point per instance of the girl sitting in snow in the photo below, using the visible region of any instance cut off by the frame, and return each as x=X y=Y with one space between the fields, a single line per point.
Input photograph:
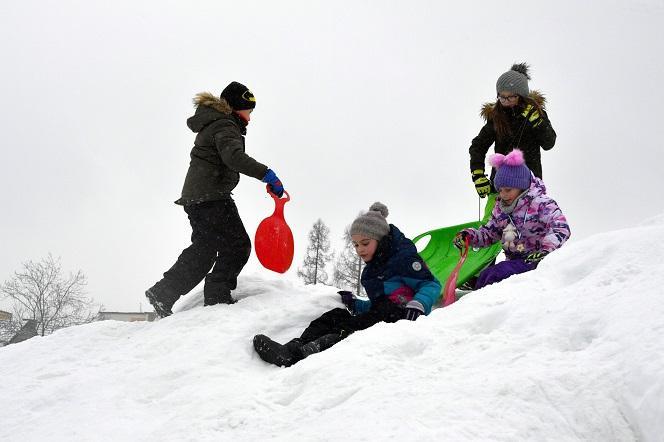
x=397 y=281
x=528 y=223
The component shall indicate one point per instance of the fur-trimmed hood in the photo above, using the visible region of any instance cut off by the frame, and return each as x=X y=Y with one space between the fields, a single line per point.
x=489 y=108
x=216 y=103
x=209 y=108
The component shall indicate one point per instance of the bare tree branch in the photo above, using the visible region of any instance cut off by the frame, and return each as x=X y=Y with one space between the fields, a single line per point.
x=348 y=267
x=317 y=255
x=41 y=292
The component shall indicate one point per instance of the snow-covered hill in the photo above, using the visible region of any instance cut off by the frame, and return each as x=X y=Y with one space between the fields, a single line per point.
x=570 y=352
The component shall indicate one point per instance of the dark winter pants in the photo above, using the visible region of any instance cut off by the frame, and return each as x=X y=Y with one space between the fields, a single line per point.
x=219 y=242
x=341 y=323
x=502 y=270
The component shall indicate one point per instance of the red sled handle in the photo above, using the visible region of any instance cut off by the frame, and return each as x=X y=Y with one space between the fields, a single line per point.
x=278 y=202
x=449 y=292
x=275 y=197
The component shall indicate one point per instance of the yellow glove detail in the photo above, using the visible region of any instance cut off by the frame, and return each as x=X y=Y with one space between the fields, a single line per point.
x=535 y=119
x=482 y=183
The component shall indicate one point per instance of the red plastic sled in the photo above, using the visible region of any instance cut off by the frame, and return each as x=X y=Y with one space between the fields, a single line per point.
x=274 y=240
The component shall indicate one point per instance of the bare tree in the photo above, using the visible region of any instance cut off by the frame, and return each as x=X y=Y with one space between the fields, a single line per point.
x=317 y=256
x=348 y=267
x=40 y=292
x=8 y=328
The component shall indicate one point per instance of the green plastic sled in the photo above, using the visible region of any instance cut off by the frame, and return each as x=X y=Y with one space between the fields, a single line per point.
x=441 y=256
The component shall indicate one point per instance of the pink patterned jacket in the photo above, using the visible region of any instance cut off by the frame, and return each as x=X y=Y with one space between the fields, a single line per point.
x=536 y=224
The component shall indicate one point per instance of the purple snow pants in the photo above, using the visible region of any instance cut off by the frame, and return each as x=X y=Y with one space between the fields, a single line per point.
x=502 y=270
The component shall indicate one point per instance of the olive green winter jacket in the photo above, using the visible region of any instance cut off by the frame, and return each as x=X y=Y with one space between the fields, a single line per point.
x=218 y=157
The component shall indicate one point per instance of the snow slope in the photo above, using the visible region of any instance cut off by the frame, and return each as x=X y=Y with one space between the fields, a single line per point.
x=570 y=352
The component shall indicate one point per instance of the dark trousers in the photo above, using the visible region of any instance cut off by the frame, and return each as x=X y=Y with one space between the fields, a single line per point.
x=219 y=245
x=341 y=323
x=503 y=270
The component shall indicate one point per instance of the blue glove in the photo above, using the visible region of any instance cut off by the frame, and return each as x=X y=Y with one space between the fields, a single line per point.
x=274 y=182
x=413 y=310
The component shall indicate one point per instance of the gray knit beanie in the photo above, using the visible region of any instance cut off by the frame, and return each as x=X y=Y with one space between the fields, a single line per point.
x=372 y=224
x=515 y=80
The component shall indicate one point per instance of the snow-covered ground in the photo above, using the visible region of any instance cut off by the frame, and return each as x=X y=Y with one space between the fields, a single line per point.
x=570 y=352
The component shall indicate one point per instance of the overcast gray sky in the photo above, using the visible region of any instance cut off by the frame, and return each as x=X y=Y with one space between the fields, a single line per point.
x=358 y=101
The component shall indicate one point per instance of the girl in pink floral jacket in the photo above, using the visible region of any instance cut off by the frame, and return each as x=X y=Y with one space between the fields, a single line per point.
x=529 y=224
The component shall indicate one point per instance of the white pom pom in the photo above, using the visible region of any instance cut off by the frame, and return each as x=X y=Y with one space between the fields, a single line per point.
x=380 y=207
x=509 y=235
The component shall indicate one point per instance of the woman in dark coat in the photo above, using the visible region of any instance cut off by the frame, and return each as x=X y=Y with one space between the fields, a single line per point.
x=516 y=120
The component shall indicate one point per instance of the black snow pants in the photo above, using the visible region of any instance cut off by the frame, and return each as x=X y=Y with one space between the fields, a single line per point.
x=220 y=248
x=341 y=323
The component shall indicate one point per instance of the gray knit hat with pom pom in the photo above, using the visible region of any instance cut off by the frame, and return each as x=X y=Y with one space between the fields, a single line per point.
x=372 y=224
x=515 y=80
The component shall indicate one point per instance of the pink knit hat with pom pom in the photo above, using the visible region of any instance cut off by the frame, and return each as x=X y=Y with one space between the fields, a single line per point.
x=511 y=170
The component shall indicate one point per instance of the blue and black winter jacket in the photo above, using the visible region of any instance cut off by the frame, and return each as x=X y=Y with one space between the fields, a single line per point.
x=397 y=268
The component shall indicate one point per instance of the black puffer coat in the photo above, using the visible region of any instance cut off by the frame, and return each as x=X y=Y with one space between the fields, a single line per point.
x=522 y=135
x=218 y=157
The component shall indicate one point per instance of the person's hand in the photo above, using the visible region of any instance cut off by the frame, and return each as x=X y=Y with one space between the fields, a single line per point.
x=535 y=119
x=273 y=182
x=460 y=239
x=348 y=299
x=413 y=310
x=482 y=183
x=535 y=257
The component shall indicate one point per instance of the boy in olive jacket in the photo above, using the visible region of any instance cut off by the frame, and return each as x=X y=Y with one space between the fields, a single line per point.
x=220 y=246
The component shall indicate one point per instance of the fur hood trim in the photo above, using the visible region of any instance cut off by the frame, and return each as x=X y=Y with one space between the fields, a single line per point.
x=488 y=108
x=216 y=103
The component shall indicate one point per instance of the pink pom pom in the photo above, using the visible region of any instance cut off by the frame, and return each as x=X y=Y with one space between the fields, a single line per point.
x=496 y=160
x=514 y=158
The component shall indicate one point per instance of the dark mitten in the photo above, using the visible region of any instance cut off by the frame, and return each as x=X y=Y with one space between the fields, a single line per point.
x=413 y=310
x=535 y=257
x=348 y=299
x=533 y=116
x=460 y=239
x=482 y=183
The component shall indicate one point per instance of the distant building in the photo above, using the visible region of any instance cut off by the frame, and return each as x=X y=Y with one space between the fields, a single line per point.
x=5 y=327
x=126 y=316
x=26 y=332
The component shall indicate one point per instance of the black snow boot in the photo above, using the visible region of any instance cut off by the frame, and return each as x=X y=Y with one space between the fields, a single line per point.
x=162 y=305
x=275 y=353
x=218 y=298
x=216 y=292
x=320 y=344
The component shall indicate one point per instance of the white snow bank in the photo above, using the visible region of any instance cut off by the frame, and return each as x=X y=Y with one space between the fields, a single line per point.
x=569 y=352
